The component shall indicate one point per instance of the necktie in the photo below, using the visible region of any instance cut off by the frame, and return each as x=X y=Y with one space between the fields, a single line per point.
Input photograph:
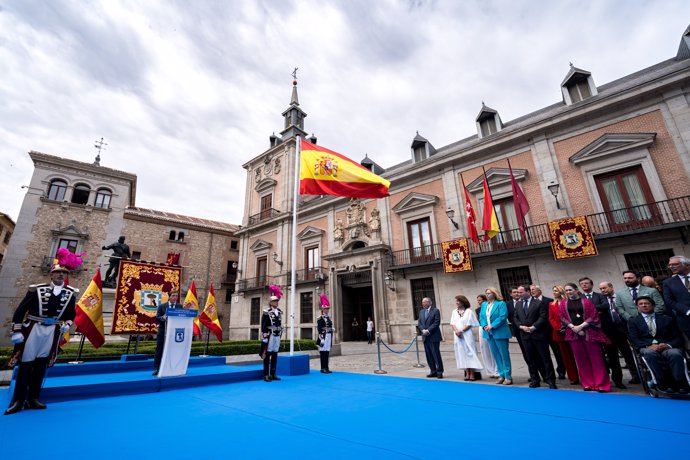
x=525 y=306
x=589 y=296
x=633 y=293
x=614 y=314
x=687 y=282
x=651 y=325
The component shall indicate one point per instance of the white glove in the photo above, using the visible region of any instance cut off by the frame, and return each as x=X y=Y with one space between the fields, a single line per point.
x=17 y=337
x=65 y=327
x=164 y=318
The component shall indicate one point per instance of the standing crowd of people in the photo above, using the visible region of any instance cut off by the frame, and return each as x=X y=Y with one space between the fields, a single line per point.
x=586 y=331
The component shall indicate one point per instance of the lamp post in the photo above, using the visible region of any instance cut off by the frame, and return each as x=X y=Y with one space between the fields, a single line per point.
x=553 y=188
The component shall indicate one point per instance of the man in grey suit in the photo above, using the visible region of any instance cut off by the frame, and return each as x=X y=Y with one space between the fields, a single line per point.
x=430 y=326
x=625 y=298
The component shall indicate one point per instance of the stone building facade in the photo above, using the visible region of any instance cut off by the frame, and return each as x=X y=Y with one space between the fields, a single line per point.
x=616 y=153
x=82 y=207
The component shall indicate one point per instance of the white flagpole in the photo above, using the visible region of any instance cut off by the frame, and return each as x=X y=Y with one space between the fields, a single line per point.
x=293 y=278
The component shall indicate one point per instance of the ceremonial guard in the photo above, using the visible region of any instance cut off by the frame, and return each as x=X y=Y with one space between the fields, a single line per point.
x=271 y=330
x=45 y=313
x=324 y=326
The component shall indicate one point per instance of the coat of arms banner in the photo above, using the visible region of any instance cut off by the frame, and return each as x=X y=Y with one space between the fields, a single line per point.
x=456 y=256
x=141 y=288
x=571 y=238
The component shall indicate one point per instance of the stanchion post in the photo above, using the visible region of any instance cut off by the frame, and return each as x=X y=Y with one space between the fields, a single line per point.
x=416 y=347
x=81 y=347
x=378 y=350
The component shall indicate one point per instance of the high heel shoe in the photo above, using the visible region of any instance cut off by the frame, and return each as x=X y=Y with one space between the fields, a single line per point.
x=508 y=382
x=500 y=381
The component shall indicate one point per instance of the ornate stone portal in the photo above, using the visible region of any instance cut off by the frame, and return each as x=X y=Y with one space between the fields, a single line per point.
x=357 y=226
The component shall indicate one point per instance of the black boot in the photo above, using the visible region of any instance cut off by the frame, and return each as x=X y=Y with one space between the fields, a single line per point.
x=40 y=366
x=325 y=361
x=21 y=385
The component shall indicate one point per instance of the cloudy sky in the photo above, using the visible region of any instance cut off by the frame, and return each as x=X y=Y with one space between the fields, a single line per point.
x=193 y=89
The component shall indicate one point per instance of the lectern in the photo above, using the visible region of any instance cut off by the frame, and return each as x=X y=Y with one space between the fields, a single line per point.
x=178 y=341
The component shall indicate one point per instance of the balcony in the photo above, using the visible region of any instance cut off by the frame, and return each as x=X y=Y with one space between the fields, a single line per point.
x=229 y=278
x=264 y=215
x=317 y=275
x=674 y=213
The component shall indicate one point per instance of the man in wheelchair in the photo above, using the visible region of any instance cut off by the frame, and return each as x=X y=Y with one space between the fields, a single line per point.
x=659 y=340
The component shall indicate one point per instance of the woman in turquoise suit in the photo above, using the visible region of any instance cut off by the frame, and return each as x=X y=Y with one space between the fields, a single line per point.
x=493 y=319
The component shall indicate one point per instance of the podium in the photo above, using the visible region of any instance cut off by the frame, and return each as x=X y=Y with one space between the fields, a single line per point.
x=178 y=341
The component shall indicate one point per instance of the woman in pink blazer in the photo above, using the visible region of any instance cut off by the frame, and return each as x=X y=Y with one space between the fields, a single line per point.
x=583 y=331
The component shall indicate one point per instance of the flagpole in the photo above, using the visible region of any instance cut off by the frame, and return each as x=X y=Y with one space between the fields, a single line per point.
x=293 y=265
x=492 y=201
x=524 y=221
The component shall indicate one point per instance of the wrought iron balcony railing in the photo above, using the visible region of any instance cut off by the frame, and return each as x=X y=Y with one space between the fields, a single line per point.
x=264 y=215
x=644 y=218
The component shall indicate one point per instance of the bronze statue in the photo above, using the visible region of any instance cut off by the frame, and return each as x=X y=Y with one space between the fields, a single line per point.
x=120 y=251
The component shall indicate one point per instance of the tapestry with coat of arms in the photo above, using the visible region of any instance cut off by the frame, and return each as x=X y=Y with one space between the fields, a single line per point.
x=571 y=238
x=141 y=287
x=456 y=256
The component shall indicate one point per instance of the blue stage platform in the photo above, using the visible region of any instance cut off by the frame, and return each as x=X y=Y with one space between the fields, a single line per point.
x=345 y=416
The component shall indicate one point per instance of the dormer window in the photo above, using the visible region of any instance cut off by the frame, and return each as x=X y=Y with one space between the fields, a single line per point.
x=421 y=148
x=488 y=122
x=577 y=86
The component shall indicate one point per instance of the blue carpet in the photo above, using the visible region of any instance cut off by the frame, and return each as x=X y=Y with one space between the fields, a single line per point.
x=353 y=416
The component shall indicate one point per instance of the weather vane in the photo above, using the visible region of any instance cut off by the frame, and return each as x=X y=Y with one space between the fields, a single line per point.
x=294 y=73
x=100 y=145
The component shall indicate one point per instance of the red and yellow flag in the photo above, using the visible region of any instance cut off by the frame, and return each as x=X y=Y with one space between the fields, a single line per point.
x=89 y=318
x=325 y=172
x=489 y=219
x=209 y=317
x=191 y=301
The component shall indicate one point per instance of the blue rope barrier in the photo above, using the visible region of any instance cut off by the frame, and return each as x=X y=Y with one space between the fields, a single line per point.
x=399 y=352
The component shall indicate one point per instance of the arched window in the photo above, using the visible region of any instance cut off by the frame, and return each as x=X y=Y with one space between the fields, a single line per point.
x=172 y=235
x=80 y=195
x=180 y=236
x=57 y=190
x=103 y=196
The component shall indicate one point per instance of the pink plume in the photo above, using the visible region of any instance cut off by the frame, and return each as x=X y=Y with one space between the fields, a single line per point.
x=275 y=290
x=324 y=300
x=69 y=260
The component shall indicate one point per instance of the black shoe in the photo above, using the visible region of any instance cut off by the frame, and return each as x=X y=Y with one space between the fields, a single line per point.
x=328 y=371
x=683 y=390
x=561 y=376
x=323 y=371
x=275 y=377
x=439 y=376
x=155 y=373
x=634 y=381
x=534 y=385
x=35 y=404
x=620 y=386
x=602 y=391
x=552 y=386
x=14 y=408
x=432 y=375
x=267 y=378
x=587 y=389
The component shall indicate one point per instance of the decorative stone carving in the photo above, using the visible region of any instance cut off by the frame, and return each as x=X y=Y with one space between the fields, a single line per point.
x=276 y=166
x=339 y=231
x=257 y=171
x=375 y=221
x=356 y=221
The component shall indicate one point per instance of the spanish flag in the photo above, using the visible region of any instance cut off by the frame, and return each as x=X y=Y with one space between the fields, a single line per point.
x=89 y=318
x=210 y=315
x=324 y=172
x=489 y=219
x=190 y=301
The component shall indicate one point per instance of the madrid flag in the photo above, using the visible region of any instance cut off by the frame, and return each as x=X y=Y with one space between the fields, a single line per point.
x=89 y=318
x=209 y=317
x=325 y=172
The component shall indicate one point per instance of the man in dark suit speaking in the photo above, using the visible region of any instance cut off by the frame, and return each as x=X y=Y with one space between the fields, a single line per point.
x=161 y=319
x=430 y=326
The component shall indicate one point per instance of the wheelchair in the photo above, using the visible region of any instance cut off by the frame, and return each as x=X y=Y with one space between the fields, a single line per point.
x=659 y=385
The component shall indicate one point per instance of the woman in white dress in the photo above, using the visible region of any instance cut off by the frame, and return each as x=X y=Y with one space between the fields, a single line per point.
x=462 y=321
x=487 y=356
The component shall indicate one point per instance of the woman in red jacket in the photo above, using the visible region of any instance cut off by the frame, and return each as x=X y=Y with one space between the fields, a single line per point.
x=558 y=335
